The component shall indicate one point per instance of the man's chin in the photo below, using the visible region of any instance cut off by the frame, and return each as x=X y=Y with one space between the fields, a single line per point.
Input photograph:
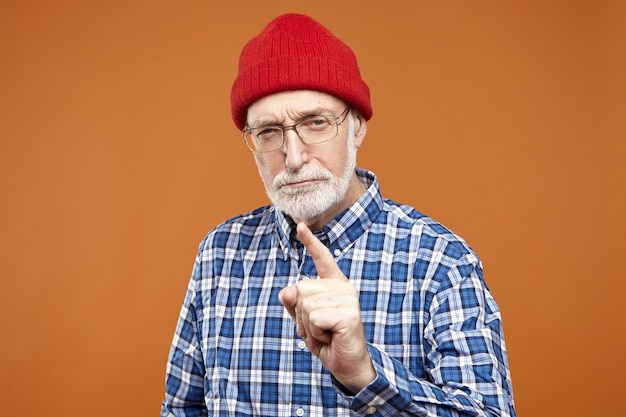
x=300 y=208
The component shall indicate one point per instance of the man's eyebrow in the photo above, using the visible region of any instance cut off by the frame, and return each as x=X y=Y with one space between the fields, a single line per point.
x=318 y=111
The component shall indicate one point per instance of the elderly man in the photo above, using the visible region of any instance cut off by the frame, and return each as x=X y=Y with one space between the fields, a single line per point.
x=331 y=301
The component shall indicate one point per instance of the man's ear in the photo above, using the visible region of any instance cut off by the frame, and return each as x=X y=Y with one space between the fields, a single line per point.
x=360 y=128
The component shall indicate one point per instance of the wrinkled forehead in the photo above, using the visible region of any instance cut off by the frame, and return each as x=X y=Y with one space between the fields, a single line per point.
x=289 y=106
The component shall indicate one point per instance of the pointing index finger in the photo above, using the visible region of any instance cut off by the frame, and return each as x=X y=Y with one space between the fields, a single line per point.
x=323 y=259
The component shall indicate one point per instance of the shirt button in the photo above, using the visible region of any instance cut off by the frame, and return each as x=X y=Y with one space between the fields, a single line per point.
x=301 y=345
x=371 y=410
x=300 y=412
x=337 y=252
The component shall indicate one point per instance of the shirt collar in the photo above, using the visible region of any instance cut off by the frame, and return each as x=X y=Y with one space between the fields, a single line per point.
x=344 y=229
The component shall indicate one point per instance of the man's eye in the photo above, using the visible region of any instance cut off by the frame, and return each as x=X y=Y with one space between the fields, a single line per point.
x=266 y=132
x=316 y=123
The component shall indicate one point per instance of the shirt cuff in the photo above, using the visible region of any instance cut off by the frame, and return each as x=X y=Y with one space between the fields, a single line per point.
x=380 y=397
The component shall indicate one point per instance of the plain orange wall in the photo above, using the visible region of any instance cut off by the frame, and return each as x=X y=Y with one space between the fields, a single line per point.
x=504 y=120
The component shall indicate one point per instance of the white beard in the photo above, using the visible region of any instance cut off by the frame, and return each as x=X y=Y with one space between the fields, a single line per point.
x=309 y=202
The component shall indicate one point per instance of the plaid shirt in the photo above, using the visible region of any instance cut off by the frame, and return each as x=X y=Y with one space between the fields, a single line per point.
x=433 y=328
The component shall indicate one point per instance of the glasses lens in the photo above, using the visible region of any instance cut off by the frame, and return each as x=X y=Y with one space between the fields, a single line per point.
x=317 y=129
x=264 y=139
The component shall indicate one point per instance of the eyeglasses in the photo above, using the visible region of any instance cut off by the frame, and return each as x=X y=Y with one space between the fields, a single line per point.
x=312 y=130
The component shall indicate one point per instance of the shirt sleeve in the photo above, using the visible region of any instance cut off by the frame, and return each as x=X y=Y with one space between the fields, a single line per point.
x=184 y=388
x=465 y=360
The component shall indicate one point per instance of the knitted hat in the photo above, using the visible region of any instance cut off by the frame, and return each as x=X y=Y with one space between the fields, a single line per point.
x=295 y=52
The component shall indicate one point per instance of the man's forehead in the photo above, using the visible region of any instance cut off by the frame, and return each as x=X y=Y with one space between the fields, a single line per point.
x=290 y=105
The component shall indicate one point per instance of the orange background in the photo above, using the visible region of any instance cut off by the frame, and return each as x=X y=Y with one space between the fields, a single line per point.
x=503 y=120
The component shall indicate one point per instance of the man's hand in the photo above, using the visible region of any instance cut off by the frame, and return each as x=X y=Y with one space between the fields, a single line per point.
x=328 y=317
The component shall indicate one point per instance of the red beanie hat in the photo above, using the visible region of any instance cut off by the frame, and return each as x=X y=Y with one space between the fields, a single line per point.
x=295 y=52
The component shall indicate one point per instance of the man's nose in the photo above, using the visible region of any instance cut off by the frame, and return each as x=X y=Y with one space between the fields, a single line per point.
x=294 y=148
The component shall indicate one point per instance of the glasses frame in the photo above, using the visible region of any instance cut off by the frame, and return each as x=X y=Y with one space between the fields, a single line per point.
x=343 y=115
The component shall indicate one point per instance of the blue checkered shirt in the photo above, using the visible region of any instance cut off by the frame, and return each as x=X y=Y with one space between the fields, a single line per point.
x=433 y=328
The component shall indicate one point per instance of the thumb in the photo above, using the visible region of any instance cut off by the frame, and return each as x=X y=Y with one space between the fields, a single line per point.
x=323 y=259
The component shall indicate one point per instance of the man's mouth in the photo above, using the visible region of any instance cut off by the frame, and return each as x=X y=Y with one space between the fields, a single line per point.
x=299 y=185
x=302 y=183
